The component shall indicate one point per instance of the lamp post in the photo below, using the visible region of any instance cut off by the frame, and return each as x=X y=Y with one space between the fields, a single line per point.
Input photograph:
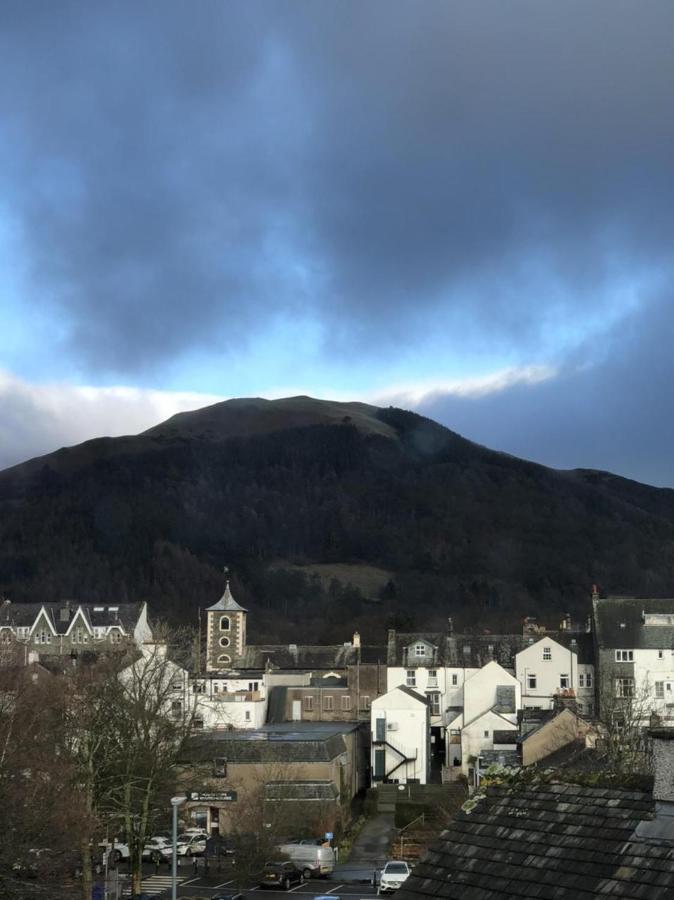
x=175 y=803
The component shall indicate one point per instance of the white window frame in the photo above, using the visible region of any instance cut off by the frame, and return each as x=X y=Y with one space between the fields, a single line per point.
x=410 y=678
x=547 y=653
x=624 y=656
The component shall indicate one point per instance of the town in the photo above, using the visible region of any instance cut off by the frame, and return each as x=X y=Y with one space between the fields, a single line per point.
x=298 y=733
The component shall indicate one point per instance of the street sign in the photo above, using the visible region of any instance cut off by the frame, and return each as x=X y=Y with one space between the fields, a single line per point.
x=211 y=796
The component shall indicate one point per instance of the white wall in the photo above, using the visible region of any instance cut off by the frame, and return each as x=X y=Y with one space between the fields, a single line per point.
x=479 y=690
x=407 y=729
x=549 y=672
x=450 y=694
x=649 y=668
x=478 y=735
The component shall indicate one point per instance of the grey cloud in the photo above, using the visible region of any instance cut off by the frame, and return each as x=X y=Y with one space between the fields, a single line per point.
x=609 y=408
x=430 y=165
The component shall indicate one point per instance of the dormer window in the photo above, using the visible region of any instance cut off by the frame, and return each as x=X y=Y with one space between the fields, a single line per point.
x=420 y=650
x=224 y=623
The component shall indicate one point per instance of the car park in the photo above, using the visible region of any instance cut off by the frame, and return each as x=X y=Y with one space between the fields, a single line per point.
x=392 y=876
x=281 y=875
x=230 y=895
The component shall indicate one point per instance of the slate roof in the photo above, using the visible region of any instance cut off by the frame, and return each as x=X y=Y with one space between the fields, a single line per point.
x=226 y=603
x=611 y=613
x=263 y=746
x=547 y=840
x=307 y=657
x=96 y=614
x=456 y=650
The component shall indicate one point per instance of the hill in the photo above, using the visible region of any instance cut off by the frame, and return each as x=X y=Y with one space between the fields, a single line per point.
x=332 y=516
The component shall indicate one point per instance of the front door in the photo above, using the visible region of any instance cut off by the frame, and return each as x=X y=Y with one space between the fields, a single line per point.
x=297 y=710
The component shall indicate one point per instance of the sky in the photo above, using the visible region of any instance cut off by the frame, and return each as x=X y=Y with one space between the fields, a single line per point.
x=462 y=208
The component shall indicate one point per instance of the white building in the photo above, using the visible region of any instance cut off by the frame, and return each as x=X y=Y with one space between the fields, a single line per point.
x=549 y=668
x=400 y=723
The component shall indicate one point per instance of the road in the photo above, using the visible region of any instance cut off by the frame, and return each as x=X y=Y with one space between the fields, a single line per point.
x=200 y=886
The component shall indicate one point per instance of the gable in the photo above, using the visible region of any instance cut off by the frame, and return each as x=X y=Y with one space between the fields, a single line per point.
x=80 y=619
x=43 y=620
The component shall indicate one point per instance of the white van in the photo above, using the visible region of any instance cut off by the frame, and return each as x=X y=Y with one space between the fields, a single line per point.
x=314 y=860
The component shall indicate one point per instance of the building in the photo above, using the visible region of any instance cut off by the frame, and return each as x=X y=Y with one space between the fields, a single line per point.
x=290 y=767
x=400 y=736
x=548 y=667
x=70 y=628
x=634 y=656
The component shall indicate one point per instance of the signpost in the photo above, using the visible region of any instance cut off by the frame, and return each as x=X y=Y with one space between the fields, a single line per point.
x=211 y=796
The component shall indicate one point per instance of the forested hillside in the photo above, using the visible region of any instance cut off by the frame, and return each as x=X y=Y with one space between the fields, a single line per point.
x=271 y=487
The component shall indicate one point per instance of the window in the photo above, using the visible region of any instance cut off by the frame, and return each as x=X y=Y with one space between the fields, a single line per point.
x=224 y=660
x=365 y=702
x=328 y=703
x=253 y=686
x=246 y=715
x=411 y=678
x=581 y=680
x=420 y=650
x=563 y=681
x=486 y=734
x=660 y=690
x=435 y=704
x=624 y=655
x=346 y=703
x=531 y=681
x=115 y=635
x=432 y=677
x=220 y=767
x=197 y=722
x=547 y=652
x=176 y=708
x=455 y=680
x=588 y=679
x=308 y=704
x=199 y=687
x=224 y=642
x=661 y=654
x=224 y=623
x=624 y=687
x=455 y=732
x=80 y=636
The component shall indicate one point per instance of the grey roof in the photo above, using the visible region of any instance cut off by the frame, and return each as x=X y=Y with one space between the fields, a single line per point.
x=412 y=693
x=581 y=642
x=618 y=622
x=298 y=656
x=276 y=706
x=60 y=614
x=226 y=603
x=265 y=747
x=546 y=840
x=456 y=650
x=301 y=790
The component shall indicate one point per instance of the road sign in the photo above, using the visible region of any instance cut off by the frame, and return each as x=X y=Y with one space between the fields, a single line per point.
x=211 y=796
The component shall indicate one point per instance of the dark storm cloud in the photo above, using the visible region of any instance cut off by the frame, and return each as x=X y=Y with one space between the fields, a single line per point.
x=184 y=173
x=608 y=408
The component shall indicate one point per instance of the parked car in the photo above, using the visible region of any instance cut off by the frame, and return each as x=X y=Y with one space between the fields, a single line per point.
x=281 y=875
x=115 y=853
x=158 y=849
x=314 y=858
x=191 y=844
x=392 y=876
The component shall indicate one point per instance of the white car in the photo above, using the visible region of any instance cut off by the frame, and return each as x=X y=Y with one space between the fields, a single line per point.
x=157 y=849
x=115 y=853
x=392 y=876
x=191 y=844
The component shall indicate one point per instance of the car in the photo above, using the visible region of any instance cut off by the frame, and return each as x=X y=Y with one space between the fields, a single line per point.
x=392 y=876
x=114 y=852
x=157 y=849
x=190 y=844
x=281 y=875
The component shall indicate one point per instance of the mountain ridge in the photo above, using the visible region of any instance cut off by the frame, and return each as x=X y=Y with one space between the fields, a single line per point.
x=274 y=487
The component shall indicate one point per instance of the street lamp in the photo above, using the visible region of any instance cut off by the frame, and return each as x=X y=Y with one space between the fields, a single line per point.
x=175 y=803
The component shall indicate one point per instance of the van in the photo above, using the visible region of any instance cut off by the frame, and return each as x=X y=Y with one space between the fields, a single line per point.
x=313 y=860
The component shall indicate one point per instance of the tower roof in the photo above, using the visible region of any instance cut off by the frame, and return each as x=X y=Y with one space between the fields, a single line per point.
x=226 y=603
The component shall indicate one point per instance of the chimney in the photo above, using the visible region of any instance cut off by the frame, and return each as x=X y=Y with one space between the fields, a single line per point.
x=663 y=763
x=450 y=626
x=355 y=641
x=391 y=647
x=595 y=593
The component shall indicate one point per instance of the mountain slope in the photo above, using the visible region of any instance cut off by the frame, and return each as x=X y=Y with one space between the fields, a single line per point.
x=268 y=487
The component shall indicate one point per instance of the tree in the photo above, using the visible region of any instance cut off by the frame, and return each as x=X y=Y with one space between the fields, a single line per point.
x=625 y=708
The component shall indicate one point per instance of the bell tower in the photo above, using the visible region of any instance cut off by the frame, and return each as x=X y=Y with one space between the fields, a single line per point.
x=225 y=632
